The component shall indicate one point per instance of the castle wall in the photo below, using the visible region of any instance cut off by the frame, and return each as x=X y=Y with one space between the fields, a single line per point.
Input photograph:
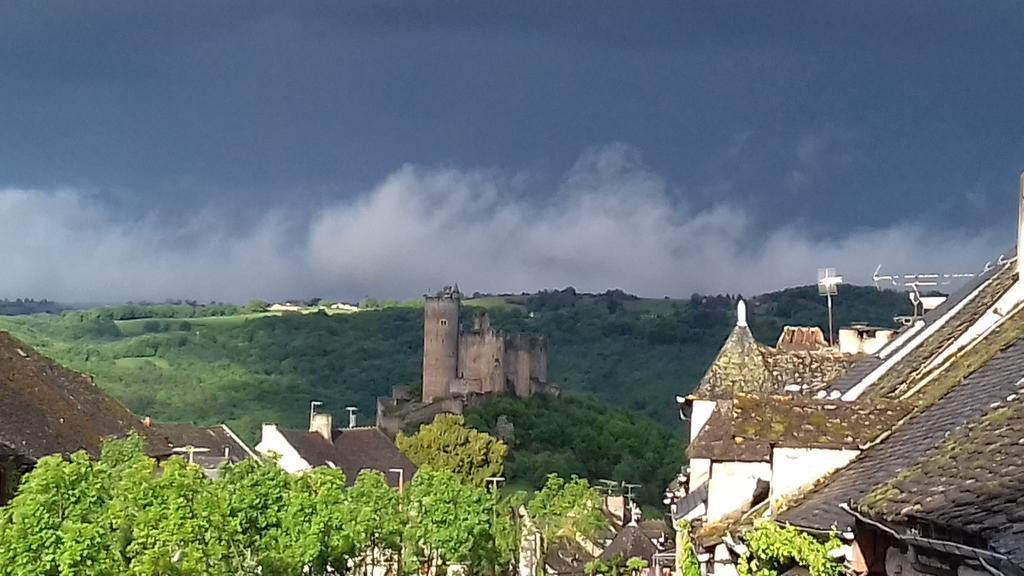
x=440 y=344
x=539 y=359
x=482 y=361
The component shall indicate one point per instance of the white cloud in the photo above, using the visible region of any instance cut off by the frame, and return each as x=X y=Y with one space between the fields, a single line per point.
x=610 y=222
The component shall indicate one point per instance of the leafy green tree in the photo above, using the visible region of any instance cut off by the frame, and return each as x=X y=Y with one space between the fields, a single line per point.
x=377 y=520
x=565 y=509
x=773 y=549
x=315 y=525
x=448 y=521
x=257 y=495
x=181 y=525
x=53 y=525
x=448 y=444
x=686 y=559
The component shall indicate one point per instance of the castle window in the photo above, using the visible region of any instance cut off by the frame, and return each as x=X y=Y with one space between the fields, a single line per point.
x=444 y=321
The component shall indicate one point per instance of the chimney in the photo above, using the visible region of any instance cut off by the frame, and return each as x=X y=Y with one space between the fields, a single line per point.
x=147 y=422
x=351 y=416
x=1020 y=229
x=322 y=424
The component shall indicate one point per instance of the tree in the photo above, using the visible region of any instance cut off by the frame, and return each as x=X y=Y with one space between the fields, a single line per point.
x=565 y=510
x=447 y=444
x=773 y=549
x=448 y=521
x=315 y=531
x=376 y=523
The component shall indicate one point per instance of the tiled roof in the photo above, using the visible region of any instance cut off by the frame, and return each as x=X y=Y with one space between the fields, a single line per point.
x=48 y=409
x=964 y=397
x=630 y=542
x=743 y=365
x=749 y=426
x=968 y=488
x=353 y=450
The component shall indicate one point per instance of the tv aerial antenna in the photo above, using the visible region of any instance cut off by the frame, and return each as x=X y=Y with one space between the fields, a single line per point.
x=828 y=286
x=914 y=282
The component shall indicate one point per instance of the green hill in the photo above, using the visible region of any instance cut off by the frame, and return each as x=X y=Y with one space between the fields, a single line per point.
x=209 y=364
x=246 y=368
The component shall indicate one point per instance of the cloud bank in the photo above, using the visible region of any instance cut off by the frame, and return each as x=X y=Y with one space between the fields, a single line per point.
x=609 y=222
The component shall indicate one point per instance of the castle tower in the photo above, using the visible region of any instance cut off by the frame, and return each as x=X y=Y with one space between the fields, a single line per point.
x=440 y=342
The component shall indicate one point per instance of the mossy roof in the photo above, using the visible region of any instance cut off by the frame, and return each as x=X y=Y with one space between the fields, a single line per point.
x=746 y=428
x=905 y=373
x=745 y=366
x=969 y=488
x=984 y=376
x=47 y=409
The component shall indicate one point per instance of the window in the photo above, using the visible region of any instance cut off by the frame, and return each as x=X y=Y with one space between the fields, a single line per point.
x=444 y=322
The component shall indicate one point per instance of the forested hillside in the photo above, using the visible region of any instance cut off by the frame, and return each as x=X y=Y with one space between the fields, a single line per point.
x=221 y=363
x=210 y=364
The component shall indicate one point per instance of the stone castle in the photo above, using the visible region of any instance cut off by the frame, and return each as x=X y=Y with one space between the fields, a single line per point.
x=462 y=367
x=481 y=361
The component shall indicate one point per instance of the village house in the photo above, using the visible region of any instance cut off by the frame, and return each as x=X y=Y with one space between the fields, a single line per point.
x=351 y=450
x=48 y=409
x=922 y=473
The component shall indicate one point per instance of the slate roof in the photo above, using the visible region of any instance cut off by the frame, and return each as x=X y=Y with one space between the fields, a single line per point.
x=902 y=375
x=946 y=405
x=220 y=444
x=968 y=489
x=855 y=374
x=47 y=409
x=353 y=450
x=567 y=557
x=630 y=542
x=745 y=429
x=744 y=365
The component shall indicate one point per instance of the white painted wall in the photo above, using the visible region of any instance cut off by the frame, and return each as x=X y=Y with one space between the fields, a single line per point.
x=796 y=468
x=732 y=484
x=700 y=471
x=702 y=410
x=853 y=341
x=272 y=441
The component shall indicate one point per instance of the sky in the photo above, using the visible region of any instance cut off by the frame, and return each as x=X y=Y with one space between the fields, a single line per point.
x=230 y=151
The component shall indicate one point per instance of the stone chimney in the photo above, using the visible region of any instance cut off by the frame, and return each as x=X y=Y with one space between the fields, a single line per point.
x=615 y=506
x=322 y=424
x=352 y=416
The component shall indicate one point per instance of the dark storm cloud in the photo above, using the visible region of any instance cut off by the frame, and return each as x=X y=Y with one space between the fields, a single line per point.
x=220 y=149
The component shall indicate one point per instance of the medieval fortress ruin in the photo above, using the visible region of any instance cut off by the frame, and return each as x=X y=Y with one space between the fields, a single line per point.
x=461 y=367
x=480 y=361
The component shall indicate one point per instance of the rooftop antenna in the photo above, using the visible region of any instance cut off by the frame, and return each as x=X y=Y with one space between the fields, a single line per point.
x=914 y=282
x=828 y=286
x=608 y=486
